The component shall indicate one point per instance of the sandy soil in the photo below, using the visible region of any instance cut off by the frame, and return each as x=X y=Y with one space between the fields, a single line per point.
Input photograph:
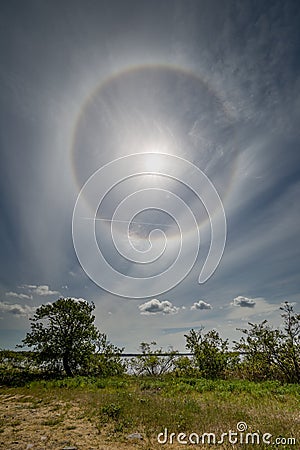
x=25 y=424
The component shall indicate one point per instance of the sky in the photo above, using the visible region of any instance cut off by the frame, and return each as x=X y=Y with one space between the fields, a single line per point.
x=143 y=144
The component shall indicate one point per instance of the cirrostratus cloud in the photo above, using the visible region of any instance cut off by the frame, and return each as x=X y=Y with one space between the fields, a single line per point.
x=201 y=304
x=155 y=306
x=243 y=302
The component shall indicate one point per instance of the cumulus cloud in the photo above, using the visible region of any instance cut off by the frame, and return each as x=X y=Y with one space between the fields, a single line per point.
x=201 y=305
x=18 y=295
x=155 y=306
x=41 y=290
x=243 y=302
x=16 y=309
x=79 y=300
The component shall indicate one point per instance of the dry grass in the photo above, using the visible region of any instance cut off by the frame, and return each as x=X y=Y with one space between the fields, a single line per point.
x=101 y=414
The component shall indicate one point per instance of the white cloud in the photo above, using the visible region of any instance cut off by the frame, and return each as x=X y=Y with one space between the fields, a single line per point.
x=201 y=305
x=41 y=290
x=79 y=300
x=17 y=295
x=155 y=306
x=16 y=309
x=243 y=302
x=44 y=290
x=262 y=310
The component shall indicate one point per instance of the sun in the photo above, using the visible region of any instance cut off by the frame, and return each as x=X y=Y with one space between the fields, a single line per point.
x=154 y=162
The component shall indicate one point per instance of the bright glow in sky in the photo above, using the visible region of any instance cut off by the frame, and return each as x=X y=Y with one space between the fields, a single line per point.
x=215 y=83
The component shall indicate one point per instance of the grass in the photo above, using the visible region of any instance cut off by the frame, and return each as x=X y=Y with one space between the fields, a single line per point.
x=117 y=407
x=53 y=422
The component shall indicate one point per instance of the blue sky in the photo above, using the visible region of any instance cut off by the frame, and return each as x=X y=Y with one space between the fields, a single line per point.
x=215 y=83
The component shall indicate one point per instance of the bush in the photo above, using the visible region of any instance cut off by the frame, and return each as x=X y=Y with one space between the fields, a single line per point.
x=211 y=356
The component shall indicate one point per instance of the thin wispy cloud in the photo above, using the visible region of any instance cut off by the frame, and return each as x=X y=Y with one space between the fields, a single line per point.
x=156 y=79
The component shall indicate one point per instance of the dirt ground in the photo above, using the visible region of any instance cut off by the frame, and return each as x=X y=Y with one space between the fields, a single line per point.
x=25 y=425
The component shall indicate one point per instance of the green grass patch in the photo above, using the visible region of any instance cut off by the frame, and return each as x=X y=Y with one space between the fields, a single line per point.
x=149 y=405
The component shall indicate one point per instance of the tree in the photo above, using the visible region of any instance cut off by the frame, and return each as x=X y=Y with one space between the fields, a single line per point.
x=211 y=356
x=261 y=348
x=272 y=353
x=153 y=362
x=184 y=367
x=63 y=334
x=107 y=359
x=291 y=344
